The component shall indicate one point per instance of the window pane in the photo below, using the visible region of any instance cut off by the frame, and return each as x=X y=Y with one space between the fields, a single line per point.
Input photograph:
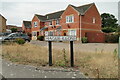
x=69 y=19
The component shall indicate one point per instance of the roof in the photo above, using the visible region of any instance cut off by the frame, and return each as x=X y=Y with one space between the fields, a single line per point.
x=3 y=17
x=27 y=24
x=41 y=17
x=50 y=16
x=81 y=9
x=54 y=15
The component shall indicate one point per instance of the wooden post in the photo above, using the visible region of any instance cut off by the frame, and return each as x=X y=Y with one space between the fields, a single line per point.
x=71 y=54
x=50 y=53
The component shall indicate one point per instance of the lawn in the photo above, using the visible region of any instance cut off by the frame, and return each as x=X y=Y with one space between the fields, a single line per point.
x=93 y=65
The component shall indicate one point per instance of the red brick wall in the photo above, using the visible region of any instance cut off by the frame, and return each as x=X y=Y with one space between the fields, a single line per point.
x=87 y=21
x=95 y=37
x=70 y=11
x=26 y=30
x=35 y=19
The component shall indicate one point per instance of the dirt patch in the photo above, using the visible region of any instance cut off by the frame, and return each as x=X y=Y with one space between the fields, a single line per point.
x=93 y=65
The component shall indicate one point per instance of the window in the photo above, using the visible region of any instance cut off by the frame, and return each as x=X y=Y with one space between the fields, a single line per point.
x=57 y=22
x=72 y=32
x=93 y=20
x=35 y=24
x=69 y=19
x=50 y=23
x=50 y=33
x=34 y=33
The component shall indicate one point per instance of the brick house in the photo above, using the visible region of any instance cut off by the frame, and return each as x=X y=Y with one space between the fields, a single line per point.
x=73 y=21
x=26 y=27
x=9 y=27
x=2 y=24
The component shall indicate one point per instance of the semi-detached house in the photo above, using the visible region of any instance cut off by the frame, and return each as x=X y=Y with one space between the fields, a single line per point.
x=82 y=21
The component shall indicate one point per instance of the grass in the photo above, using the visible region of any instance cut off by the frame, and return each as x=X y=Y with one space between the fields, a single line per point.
x=93 y=65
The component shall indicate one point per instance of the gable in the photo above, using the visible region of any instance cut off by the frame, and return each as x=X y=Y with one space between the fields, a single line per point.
x=69 y=10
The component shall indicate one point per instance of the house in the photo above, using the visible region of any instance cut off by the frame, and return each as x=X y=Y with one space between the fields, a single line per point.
x=26 y=27
x=9 y=27
x=2 y=24
x=78 y=21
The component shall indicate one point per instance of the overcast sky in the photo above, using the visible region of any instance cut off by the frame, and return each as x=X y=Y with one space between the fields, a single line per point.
x=15 y=11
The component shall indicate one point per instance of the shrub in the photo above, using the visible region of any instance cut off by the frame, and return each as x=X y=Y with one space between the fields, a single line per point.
x=112 y=38
x=20 y=41
x=41 y=38
x=84 y=40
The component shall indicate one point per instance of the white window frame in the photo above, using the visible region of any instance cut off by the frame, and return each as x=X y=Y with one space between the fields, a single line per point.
x=72 y=32
x=57 y=22
x=34 y=33
x=70 y=19
x=50 y=23
x=50 y=33
x=94 y=20
x=35 y=24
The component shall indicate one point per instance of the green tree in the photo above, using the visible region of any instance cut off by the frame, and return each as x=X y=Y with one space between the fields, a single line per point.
x=14 y=29
x=109 y=23
x=118 y=30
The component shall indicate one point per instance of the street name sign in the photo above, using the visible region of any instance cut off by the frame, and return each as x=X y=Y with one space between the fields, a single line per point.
x=60 y=38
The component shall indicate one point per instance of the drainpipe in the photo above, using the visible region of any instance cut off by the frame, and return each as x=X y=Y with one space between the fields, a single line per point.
x=80 y=27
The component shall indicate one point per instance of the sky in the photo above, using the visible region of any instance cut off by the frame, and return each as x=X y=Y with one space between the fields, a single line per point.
x=15 y=11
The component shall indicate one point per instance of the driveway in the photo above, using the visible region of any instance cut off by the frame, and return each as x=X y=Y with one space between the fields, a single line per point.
x=87 y=47
x=10 y=70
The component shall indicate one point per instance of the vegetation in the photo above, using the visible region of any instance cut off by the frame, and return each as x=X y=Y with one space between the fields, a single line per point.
x=94 y=65
x=112 y=38
x=41 y=38
x=109 y=23
x=20 y=41
x=14 y=30
x=84 y=40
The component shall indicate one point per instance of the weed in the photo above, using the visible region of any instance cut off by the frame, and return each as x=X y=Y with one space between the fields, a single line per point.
x=115 y=53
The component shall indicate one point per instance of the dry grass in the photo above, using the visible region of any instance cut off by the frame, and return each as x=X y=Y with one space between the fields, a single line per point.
x=94 y=65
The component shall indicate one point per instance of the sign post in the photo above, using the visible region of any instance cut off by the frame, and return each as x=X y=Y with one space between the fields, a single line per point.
x=71 y=54
x=61 y=38
x=50 y=53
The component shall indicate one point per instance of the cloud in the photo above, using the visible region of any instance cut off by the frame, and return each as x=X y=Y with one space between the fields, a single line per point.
x=16 y=12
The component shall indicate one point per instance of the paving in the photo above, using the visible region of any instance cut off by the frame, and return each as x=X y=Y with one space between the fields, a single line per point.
x=10 y=70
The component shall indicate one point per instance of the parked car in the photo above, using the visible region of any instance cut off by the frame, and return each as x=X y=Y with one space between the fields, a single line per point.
x=4 y=34
x=14 y=36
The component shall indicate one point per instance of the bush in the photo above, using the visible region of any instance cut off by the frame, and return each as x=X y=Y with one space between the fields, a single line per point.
x=108 y=29
x=20 y=41
x=112 y=38
x=41 y=38
x=84 y=40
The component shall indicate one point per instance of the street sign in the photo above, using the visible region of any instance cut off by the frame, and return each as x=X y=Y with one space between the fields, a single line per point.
x=60 y=38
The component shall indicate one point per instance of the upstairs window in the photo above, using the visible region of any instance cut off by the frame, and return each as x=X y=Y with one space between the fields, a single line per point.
x=57 y=22
x=93 y=20
x=35 y=24
x=70 y=19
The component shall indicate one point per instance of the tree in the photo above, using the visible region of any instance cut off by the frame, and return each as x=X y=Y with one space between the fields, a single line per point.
x=118 y=30
x=14 y=30
x=109 y=23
